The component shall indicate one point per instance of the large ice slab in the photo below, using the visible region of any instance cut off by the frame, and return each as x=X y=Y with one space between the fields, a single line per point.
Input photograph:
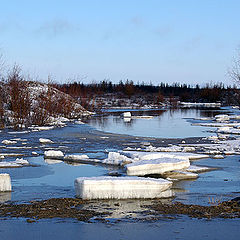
x=121 y=188
x=156 y=155
x=156 y=166
x=5 y=182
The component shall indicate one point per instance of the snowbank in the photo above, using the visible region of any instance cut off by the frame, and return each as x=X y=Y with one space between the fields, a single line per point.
x=156 y=166
x=5 y=182
x=121 y=188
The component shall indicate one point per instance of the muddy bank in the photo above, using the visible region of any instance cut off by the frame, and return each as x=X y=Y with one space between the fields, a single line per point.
x=74 y=208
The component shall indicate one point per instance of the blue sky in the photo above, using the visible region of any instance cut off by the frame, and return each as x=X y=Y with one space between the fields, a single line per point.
x=186 y=41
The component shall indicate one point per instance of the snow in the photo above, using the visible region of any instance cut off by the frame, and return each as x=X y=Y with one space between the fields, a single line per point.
x=116 y=158
x=156 y=166
x=45 y=140
x=8 y=142
x=5 y=182
x=53 y=154
x=121 y=188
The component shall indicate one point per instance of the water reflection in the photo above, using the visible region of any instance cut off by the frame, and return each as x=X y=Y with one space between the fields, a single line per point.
x=5 y=196
x=172 y=123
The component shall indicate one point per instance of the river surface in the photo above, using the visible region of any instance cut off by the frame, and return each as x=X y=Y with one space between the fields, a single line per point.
x=48 y=179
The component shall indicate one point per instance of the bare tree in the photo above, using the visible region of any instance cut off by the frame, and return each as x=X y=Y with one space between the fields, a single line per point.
x=234 y=72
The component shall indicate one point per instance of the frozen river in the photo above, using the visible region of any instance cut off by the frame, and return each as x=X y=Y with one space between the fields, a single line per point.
x=50 y=179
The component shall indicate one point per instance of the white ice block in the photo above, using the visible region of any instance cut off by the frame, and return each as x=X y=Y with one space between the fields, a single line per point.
x=156 y=166
x=121 y=188
x=127 y=114
x=53 y=154
x=156 y=155
x=45 y=140
x=5 y=182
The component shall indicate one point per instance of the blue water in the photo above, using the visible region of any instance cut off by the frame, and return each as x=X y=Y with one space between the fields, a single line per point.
x=175 y=123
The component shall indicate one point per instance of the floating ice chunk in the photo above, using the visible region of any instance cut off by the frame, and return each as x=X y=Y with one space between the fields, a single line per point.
x=8 y=142
x=218 y=157
x=155 y=155
x=79 y=122
x=142 y=117
x=53 y=154
x=222 y=117
x=212 y=138
x=127 y=114
x=5 y=182
x=21 y=161
x=197 y=169
x=76 y=157
x=189 y=149
x=45 y=140
x=116 y=158
x=180 y=175
x=14 y=164
x=156 y=166
x=121 y=188
x=42 y=128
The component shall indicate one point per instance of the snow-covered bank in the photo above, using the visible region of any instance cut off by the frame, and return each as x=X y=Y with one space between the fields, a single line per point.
x=122 y=188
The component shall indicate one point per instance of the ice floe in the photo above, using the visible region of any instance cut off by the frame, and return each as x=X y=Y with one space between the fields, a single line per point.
x=127 y=114
x=14 y=164
x=76 y=157
x=45 y=140
x=156 y=166
x=53 y=154
x=122 y=188
x=116 y=158
x=8 y=142
x=5 y=182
